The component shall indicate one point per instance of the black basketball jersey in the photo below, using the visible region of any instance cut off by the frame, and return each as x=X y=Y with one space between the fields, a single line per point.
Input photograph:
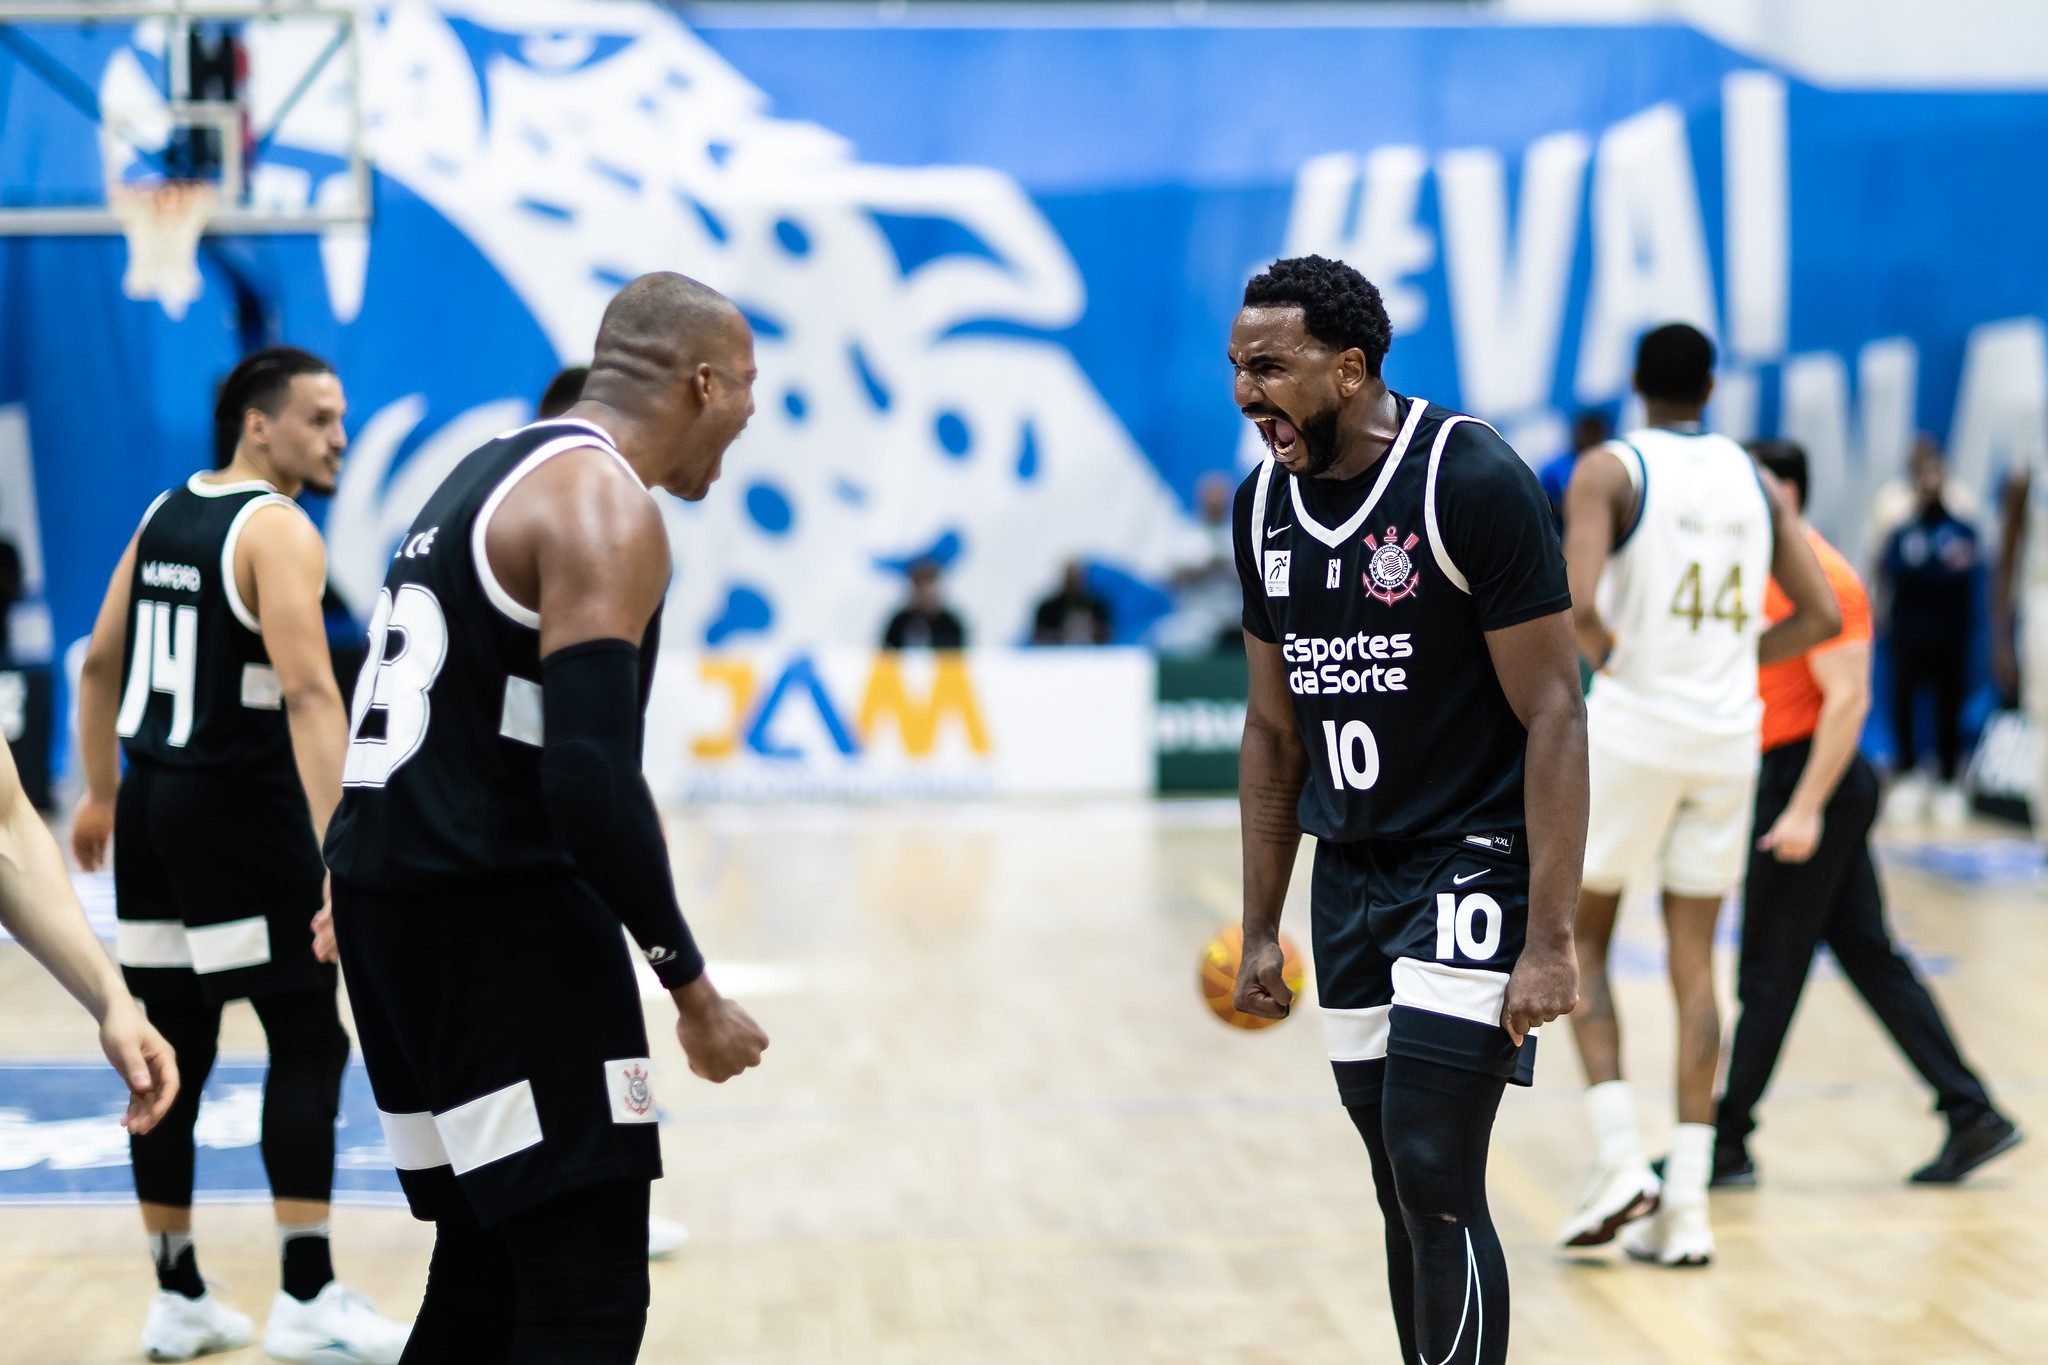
x=1379 y=590
x=197 y=688
x=442 y=783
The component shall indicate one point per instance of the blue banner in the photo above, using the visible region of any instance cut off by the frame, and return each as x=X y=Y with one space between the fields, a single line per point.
x=991 y=271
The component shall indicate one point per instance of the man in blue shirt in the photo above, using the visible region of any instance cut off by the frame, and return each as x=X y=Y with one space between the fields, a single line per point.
x=1589 y=429
x=1929 y=568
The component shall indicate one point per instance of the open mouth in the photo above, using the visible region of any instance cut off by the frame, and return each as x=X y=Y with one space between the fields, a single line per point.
x=1279 y=433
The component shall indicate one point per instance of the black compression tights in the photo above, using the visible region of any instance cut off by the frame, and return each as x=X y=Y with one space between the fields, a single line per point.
x=1448 y=1279
x=561 y=1284
x=301 y=1095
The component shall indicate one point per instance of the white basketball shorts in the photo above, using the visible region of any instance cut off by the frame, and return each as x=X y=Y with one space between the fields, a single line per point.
x=1692 y=827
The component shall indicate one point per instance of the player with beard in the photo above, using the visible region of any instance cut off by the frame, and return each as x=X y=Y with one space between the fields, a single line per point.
x=209 y=667
x=1413 y=675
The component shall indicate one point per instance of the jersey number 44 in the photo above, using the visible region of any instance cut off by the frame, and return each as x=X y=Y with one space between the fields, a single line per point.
x=1726 y=604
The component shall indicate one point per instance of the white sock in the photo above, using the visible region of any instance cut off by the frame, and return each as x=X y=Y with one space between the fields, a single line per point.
x=287 y=1231
x=166 y=1247
x=1690 y=1163
x=1611 y=1106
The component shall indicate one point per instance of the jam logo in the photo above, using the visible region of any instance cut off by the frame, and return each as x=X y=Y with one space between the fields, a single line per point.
x=888 y=699
x=1390 y=573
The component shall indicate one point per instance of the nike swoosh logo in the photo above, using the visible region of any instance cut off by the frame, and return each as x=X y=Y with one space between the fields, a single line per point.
x=1460 y=881
x=1272 y=531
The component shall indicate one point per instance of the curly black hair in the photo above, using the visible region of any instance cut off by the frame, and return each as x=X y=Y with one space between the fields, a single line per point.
x=1674 y=362
x=1340 y=307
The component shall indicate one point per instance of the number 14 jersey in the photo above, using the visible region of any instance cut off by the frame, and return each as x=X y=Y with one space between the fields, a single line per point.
x=442 y=782
x=1683 y=594
x=197 y=688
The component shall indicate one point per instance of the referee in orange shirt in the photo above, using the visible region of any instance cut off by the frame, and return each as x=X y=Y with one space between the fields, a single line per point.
x=1811 y=881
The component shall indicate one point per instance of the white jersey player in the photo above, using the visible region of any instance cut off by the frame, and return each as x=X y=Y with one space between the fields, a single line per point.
x=1671 y=534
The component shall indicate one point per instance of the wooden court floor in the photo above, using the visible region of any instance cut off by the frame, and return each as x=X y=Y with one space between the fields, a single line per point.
x=996 y=1125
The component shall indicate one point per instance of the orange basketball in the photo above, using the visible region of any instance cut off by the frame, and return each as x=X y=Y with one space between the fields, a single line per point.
x=1219 y=976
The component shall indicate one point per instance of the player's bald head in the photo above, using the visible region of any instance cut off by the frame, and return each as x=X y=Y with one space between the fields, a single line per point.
x=658 y=327
x=672 y=379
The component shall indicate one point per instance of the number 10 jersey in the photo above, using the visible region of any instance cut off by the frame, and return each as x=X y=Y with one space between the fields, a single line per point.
x=1380 y=590
x=442 y=782
x=1683 y=594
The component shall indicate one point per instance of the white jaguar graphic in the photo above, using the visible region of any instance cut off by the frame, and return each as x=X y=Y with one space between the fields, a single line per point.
x=905 y=407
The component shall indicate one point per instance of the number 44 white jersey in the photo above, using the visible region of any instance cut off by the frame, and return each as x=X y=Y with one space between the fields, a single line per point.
x=1683 y=593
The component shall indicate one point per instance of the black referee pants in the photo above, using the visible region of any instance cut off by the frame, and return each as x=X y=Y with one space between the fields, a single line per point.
x=1833 y=897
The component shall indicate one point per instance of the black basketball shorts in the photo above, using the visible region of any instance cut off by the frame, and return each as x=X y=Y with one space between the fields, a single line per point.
x=1413 y=947
x=501 y=1026
x=216 y=883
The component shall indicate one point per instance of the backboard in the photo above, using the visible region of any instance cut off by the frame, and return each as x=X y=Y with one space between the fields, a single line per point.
x=254 y=107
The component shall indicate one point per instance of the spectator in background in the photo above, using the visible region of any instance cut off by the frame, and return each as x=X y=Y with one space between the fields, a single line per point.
x=1589 y=429
x=1073 y=615
x=1897 y=501
x=1208 y=601
x=562 y=392
x=926 y=622
x=1929 y=572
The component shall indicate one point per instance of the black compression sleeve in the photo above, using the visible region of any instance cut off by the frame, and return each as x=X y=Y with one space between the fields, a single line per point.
x=599 y=803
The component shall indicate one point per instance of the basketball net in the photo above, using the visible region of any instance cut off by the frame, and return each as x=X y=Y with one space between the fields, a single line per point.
x=163 y=223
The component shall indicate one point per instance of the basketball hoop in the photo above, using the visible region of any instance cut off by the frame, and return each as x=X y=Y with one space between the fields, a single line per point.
x=163 y=222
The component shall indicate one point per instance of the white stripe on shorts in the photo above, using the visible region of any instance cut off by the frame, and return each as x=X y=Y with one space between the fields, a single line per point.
x=223 y=947
x=1461 y=992
x=490 y=1127
x=521 y=718
x=413 y=1141
x=151 y=943
x=1356 y=1035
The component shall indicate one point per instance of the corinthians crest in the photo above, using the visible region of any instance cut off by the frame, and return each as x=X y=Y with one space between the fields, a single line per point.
x=639 y=1096
x=1390 y=574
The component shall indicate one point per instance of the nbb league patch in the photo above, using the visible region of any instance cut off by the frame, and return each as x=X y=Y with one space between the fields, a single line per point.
x=1277 y=563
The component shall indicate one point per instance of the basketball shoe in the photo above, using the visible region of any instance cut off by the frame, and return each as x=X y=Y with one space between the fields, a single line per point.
x=1620 y=1193
x=1679 y=1233
x=179 y=1328
x=1622 y=1188
x=336 y=1327
x=1676 y=1235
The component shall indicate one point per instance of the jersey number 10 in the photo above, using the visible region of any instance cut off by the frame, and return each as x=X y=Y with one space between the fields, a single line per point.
x=1727 y=606
x=1354 y=755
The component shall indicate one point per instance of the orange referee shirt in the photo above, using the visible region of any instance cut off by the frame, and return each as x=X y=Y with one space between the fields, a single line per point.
x=1791 y=696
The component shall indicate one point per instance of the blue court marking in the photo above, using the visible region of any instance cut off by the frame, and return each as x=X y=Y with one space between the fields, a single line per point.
x=1973 y=862
x=61 y=1140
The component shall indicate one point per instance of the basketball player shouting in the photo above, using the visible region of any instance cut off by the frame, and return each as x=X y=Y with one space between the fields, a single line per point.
x=209 y=666
x=496 y=831
x=664 y=1236
x=1412 y=676
x=1687 y=531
